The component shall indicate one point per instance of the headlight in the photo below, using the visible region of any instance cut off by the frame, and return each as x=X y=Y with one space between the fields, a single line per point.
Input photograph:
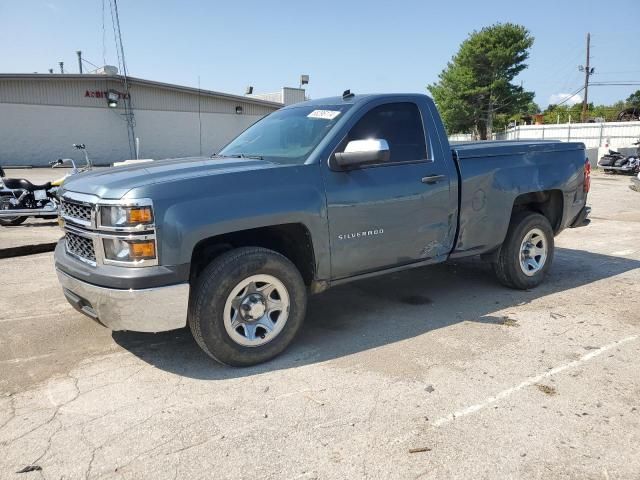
x=129 y=250
x=119 y=216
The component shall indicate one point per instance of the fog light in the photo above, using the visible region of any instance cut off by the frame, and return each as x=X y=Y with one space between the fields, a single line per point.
x=143 y=250
x=129 y=250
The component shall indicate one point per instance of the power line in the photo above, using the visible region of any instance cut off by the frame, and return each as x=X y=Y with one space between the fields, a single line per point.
x=569 y=97
x=90 y=63
x=122 y=64
x=597 y=84
x=617 y=73
x=622 y=83
x=104 y=38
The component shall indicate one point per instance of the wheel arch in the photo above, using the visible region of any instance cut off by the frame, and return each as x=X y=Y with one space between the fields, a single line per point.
x=293 y=240
x=549 y=203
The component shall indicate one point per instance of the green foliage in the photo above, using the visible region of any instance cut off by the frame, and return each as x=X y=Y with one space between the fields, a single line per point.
x=476 y=86
x=634 y=99
x=563 y=112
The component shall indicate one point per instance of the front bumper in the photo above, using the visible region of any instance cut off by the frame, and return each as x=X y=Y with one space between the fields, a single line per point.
x=145 y=310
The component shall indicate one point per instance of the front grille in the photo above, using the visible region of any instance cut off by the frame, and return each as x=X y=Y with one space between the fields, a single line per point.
x=76 y=210
x=80 y=246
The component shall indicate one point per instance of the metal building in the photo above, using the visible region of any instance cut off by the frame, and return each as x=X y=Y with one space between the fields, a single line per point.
x=41 y=116
x=286 y=96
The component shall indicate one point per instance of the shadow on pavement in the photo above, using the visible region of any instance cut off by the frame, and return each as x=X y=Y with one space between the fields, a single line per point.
x=33 y=224
x=383 y=310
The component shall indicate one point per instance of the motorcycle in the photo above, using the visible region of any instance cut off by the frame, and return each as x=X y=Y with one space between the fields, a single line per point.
x=21 y=199
x=616 y=162
x=635 y=184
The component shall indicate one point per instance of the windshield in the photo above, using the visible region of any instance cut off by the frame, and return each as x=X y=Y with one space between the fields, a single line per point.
x=286 y=136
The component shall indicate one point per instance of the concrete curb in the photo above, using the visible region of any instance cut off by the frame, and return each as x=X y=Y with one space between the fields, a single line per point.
x=24 y=250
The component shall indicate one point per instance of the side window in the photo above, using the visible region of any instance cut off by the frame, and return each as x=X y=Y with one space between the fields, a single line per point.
x=400 y=124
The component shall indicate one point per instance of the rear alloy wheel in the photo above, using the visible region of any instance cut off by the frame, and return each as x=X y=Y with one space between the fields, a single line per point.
x=247 y=306
x=533 y=252
x=527 y=251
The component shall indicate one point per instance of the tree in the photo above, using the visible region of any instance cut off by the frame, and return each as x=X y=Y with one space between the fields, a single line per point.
x=477 y=83
x=564 y=113
x=634 y=99
x=503 y=120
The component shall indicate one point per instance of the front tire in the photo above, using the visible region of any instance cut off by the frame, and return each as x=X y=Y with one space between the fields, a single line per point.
x=527 y=252
x=247 y=306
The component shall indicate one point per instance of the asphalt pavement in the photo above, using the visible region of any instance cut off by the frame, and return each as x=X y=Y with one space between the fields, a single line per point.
x=431 y=373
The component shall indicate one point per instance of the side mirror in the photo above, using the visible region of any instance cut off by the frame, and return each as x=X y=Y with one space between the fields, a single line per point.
x=363 y=152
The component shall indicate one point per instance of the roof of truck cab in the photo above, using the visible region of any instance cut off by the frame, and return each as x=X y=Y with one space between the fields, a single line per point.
x=494 y=148
x=353 y=99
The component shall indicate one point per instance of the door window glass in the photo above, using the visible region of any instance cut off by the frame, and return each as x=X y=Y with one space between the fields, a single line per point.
x=400 y=124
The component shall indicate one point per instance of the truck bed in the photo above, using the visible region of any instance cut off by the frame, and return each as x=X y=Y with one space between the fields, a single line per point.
x=494 y=174
x=483 y=149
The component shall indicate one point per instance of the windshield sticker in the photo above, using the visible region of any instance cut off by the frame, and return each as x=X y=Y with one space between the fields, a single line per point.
x=324 y=114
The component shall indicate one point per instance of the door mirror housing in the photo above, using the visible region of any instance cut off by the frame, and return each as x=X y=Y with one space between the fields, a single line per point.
x=362 y=152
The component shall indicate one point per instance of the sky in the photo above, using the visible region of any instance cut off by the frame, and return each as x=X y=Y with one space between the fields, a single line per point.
x=366 y=46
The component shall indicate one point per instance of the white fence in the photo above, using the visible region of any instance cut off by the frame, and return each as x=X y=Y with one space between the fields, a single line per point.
x=593 y=135
x=461 y=137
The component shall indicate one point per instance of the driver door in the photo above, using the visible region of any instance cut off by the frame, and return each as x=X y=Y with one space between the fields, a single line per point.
x=389 y=214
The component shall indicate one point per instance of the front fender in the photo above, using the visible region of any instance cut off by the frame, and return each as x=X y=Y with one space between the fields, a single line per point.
x=191 y=210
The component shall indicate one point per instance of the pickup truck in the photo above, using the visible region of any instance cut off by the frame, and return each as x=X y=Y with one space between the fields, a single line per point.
x=311 y=196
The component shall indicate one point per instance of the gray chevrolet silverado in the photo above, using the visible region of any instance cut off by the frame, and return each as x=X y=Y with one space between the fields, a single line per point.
x=311 y=196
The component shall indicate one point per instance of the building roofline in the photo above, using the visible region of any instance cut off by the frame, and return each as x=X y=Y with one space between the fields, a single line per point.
x=139 y=81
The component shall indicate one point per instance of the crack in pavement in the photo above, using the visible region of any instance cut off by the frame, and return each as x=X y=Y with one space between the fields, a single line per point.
x=12 y=410
x=50 y=419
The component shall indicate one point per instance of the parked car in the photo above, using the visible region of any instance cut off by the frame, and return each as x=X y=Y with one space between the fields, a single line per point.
x=312 y=196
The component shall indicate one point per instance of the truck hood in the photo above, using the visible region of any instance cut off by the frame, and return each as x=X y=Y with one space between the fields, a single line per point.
x=114 y=183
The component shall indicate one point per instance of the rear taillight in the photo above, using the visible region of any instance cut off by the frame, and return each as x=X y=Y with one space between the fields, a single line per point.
x=587 y=176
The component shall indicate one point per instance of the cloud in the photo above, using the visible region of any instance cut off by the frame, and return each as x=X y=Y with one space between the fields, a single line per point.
x=561 y=97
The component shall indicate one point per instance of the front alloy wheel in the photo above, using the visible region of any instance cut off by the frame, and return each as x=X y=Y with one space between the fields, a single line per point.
x=256 y=310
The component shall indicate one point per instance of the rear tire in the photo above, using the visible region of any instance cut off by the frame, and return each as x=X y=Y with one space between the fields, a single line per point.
x=12 y=221
x=5 y=205
x=527 y=252
x=247 y=306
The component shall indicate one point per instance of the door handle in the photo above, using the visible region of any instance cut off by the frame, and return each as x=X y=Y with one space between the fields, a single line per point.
x=431 y=179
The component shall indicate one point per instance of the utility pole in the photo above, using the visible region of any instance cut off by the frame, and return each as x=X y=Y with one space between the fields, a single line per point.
x=79 y=52
x=587 y=72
